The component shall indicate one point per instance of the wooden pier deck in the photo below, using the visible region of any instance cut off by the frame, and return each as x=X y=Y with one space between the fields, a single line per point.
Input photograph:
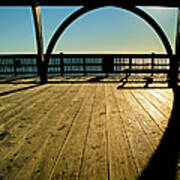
x=79 y=130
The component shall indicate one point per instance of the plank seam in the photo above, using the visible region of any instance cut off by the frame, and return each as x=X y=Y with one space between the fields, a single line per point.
x=64 y=141
x=86 y=137
x=153 y=105
x=160 y=101
x=147 y=112
x=21 y=143
x=45 y=141
x=126 y=135
x=146 y=134
x=107 y=138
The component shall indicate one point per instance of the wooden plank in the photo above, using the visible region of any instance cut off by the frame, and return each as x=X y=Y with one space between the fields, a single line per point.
x=20 y=120
x=70 y=157
x=121 y=158
x=148 y=125
x=14 y=104
x=23 y=119
x=140 y=146
x=49 y=152
x=154 y=114
x=166 y=94
x=95 y=163
x=18 y=95
x=162 y=108
x=32 y=140
x=9 y=87
x=164 y=99
x=80 y=134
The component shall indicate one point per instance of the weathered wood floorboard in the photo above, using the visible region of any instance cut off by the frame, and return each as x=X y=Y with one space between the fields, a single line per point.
x=13 y=104
x=31 y=139
x=160 y=120
x=11 y=87
x=69 y=160
x=149 y=127
x=121 y=158
x=141 y=147
x=166 y=94
x=164 y=99
x=52 y=131
x=28 y=119
x=95 y=160
x=162 y=108
x=80 y=131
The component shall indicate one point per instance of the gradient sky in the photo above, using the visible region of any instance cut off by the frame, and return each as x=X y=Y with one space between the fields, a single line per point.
x=105 y=30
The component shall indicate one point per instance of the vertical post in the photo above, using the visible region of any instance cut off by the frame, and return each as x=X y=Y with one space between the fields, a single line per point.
x=62 y=64
x=14 y=65
x=42 y=67
x=174 y=60
x=108 y=65
x=177 y=56
x=84 y=65
x=104 y=66
x=152 y=64
x=130 y=65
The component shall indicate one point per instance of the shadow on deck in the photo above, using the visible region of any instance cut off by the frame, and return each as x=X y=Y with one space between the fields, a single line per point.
x=163 y=163
x=125 y=83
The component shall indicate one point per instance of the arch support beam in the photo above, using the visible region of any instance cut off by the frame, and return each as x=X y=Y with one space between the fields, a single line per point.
x=84 y=10
x=132 y=9
x=177 y=50
x=36 y=10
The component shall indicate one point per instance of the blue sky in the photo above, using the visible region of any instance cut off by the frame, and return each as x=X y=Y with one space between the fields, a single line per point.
x=104 y=30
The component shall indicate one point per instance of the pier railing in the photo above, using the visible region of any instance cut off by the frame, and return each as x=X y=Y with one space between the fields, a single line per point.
x=87 y=64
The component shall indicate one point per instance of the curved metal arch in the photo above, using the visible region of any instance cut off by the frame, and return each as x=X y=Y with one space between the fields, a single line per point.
x=62 y=27
x=84 y=10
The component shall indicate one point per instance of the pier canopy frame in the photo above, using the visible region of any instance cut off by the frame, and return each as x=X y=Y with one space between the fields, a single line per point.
x=84 y=10
x=132 y=9
x=167 y=3
x=89 y=5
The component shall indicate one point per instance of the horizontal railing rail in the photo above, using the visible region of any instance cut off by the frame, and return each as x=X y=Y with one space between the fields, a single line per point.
x=87 y=64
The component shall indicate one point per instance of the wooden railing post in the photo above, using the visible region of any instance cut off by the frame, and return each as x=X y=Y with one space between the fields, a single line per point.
x=17 y=64
x=130 y=64
x=152 y=64
x=42 y=66
x=84 y=65
x=62 y=64
x=174 y=60
x=177 y=56
x=14 y=66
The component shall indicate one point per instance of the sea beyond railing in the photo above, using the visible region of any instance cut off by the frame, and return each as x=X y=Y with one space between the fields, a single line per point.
x=86 y=64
